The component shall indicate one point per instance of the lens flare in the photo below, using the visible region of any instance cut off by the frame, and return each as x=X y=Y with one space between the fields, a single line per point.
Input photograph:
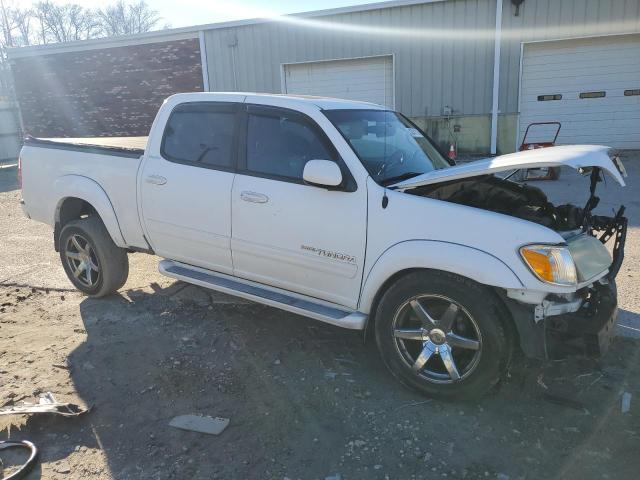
x=415 y=32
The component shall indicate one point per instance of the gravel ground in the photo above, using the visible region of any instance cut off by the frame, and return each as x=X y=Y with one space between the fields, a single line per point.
x=306 y=400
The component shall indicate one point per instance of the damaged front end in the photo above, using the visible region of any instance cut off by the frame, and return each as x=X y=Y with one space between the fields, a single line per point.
x=552 y=325
x=503 y=196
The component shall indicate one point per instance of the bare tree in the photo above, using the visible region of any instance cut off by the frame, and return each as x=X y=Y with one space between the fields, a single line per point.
x=123 y=18
x=49 y=22
x=65 y=23
x=23 y=20
x=15 y=27
x=14 y=24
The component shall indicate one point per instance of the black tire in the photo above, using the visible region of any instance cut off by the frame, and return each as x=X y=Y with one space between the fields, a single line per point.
x=111 y=261
x=477 y=322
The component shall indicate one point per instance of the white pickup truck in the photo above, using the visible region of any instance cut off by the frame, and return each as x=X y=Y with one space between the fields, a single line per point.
x=347 y=213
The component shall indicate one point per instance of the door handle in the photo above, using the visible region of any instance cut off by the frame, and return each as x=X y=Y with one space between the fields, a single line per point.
x=254 y=197
x=156 y=179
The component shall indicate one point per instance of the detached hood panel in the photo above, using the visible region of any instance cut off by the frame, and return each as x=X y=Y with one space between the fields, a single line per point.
x=574 y=156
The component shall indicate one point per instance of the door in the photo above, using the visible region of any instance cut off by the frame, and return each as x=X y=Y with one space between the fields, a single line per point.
x=591 y=86
x=298 y=237
x=363 y=79
x=185 y=192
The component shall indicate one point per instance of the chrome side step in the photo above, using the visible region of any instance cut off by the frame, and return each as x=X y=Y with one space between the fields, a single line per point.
x=274 y=297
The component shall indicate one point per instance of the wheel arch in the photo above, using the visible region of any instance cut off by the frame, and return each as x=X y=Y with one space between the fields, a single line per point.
x=79 y=196
x=405 y=257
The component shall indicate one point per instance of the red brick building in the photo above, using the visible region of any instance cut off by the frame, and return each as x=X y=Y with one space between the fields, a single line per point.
x=103 y=87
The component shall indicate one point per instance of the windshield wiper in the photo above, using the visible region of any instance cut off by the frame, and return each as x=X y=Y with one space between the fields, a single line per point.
x=399 y=178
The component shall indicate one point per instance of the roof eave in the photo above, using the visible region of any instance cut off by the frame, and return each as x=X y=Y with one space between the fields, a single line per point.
x=192 y=31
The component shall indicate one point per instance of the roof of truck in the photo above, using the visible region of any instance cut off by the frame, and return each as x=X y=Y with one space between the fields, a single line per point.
x=324 y=103
x=134 y=146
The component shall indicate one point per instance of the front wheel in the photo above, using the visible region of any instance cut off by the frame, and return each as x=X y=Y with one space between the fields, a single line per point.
x=442 y=334
x=94 y=264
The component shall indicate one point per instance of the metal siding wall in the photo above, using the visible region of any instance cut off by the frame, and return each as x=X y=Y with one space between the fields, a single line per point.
x=10 y=131
x=10 y=134
x=429 y=73
x=557 y=19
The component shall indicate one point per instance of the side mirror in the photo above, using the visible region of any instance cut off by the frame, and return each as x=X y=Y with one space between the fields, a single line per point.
x=322 y=173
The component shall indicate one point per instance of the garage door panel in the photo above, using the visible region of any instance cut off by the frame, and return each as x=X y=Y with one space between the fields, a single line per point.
x=571 y=67
x=625 y=76
x=362 y=79
x=332 y=84
x=549 y=85
x=608 y=122
x=587 y=58
x=584 y=106
x=546 y=49
x=587 y=64
x=613 y=128
x=569 y=105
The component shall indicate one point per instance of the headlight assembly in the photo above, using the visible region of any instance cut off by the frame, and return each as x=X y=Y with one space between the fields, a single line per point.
x=551 y=264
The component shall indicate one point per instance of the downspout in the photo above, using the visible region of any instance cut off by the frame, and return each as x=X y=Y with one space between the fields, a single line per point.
x=203 y=61
x=496 y=79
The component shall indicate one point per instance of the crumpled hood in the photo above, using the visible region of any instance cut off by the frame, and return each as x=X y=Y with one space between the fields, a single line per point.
x=574 y=156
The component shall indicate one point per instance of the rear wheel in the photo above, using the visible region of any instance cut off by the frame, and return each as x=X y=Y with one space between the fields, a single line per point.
x=93 y=263
x=442 y=334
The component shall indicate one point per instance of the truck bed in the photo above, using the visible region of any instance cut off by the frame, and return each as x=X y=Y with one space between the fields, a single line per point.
x=120 y=146
x=110 y=162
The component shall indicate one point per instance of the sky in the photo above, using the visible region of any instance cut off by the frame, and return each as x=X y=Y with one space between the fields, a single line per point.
x=182 y=13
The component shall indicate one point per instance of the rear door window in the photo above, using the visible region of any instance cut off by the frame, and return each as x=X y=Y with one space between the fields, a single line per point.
x=201 y=134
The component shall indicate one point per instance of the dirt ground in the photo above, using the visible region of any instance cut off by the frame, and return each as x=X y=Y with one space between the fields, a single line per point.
x=305 y=400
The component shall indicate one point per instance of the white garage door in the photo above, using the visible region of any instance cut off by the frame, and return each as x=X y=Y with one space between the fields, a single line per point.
x=363 y=79
x=591 y=86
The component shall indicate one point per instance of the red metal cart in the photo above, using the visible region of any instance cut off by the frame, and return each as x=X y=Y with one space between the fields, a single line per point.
x=551 y=173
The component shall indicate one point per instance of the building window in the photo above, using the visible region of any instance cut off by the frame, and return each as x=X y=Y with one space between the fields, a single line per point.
x=547 y=98
x=631 y=93
x=592 y=94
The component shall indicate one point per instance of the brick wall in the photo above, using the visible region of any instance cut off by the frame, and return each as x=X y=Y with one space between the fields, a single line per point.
x=104 y=92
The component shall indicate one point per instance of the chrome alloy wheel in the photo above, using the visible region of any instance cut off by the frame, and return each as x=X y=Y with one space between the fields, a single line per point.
x=82 y=260
x=437 y=338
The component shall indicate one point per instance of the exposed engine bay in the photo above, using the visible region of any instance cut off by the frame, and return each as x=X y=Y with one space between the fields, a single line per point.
x=530 y=203
x=504 y=196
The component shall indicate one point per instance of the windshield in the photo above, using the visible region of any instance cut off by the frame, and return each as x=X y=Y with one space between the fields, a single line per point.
x=390 y=147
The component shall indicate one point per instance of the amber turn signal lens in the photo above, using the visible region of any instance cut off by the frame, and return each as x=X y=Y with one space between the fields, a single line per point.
x=539 y=263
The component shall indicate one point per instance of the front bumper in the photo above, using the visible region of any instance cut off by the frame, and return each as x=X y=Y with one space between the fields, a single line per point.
x=587 y=331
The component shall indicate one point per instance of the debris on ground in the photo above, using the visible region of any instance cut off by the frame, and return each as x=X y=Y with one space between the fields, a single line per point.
x=197 y=423
x=26 y=466
x=541 y=382
x=564 y=401
x=47 y=404
x=626 y=402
